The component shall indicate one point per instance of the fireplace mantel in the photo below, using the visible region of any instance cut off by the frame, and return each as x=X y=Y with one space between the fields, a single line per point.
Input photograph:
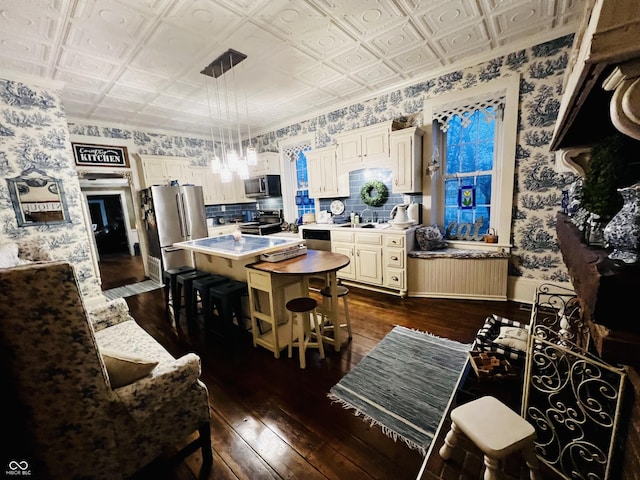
x=609 y=295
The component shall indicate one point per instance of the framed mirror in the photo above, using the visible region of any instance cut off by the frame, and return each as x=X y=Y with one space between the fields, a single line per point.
x=38 y=199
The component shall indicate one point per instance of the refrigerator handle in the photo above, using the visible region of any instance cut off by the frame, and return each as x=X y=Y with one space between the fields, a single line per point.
x=180 y=214
x=185 y=219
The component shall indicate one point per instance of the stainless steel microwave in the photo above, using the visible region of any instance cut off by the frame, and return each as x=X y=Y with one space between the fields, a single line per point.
x=263 y=186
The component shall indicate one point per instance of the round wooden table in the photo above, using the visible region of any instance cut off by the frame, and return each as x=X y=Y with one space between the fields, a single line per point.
x=315 y=262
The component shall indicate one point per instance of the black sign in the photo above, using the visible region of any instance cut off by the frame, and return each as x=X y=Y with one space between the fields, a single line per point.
x=100 y=155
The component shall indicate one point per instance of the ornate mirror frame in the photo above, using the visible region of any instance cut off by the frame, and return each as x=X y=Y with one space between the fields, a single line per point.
x=38 y=199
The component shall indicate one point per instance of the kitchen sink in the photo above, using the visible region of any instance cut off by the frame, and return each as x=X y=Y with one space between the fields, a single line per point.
x=378 y=226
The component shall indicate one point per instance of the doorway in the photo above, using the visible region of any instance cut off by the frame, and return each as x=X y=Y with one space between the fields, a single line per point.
x=109 y=223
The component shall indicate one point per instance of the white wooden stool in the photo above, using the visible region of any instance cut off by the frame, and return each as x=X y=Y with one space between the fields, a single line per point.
x=304 y=319
x=496 y=430
x=334 y=325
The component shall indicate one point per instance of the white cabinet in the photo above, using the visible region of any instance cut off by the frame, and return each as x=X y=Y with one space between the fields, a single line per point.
x=406 y=160
x=217 y=231
x=378 y=259
x=160 y=170
x=363 y=147
x=268 y=164
x=395 y=259
x=324 y=181
x=348 y=249
x=217 y=192
x=365 y=252
x=211 y=187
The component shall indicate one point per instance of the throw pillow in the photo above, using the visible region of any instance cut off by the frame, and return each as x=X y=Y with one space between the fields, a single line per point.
x=430 y=238
x=513 y=337
x=124 y=368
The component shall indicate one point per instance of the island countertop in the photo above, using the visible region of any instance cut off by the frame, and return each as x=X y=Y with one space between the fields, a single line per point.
x=246 y=246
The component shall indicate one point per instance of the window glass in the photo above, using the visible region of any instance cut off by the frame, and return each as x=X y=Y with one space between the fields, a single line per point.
x=468 y=168
x=483 y=190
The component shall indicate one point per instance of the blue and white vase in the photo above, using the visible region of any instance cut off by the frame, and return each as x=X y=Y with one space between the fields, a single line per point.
x=622 y=233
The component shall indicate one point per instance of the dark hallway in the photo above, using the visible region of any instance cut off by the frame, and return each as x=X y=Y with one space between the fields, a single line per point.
x=109 y=229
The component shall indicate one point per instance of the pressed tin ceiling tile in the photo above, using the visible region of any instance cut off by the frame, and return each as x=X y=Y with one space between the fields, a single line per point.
x=304 y=57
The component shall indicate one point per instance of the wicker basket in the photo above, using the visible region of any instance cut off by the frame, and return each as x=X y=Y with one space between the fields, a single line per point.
x=490 y=236
x=491 y=365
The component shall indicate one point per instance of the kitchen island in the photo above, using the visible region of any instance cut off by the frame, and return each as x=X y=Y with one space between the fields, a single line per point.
x=228 y=254
x=273 y=284
x=270 y=284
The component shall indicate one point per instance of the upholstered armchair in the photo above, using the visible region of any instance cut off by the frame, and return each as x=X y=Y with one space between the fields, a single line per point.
x=99 y=397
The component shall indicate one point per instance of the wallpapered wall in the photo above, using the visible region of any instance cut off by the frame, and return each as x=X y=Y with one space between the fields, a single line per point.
x=538 y=186
x=34 y=134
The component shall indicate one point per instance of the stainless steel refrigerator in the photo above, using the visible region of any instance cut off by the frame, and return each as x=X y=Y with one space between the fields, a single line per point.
x=172 y=214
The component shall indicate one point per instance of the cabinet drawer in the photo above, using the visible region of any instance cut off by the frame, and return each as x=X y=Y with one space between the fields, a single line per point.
x=394 y=241
x=369 y=238
x=394 y=257
x=394 y=279
x=341 y=236
x=259 y=280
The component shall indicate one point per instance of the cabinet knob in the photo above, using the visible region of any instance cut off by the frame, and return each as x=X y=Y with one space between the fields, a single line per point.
x=394 y=258
x=395 y=279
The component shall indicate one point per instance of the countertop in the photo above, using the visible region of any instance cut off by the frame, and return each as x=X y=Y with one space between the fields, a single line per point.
x=377 y=227
x=245 y=247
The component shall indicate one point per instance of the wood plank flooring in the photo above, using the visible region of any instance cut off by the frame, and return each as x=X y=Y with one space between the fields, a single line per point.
x=271 y=419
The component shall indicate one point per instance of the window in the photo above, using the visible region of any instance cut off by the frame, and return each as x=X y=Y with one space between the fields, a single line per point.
x=468 y=168
x=296 y=201
x=473 y=149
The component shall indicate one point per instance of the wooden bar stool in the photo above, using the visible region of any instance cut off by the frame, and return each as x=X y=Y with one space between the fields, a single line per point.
x=169 y=279
x=496 y=430
x=184 y=285
x=303 y=316
x=334 y=325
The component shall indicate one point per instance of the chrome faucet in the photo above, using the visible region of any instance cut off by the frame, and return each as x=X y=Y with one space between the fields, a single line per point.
x=364 y=217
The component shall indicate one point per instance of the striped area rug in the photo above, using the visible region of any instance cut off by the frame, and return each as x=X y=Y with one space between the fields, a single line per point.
x=131 y=289
x=405 y=384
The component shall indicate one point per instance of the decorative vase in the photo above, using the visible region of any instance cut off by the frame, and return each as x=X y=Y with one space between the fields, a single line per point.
x=622 y=233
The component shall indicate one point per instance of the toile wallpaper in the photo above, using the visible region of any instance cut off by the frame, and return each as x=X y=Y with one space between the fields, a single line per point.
x=34 y=136
x=538 y=187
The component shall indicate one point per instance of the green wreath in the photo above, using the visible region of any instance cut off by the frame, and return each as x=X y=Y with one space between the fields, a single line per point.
x=381 y=193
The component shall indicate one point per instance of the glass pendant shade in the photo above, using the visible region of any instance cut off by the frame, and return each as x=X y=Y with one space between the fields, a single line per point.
x=252 y=156
x=232 y=161
x=216 y=164
x=243 y=170
x=227 y=91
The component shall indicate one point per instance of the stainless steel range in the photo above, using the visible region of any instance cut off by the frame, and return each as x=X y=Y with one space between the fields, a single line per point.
x=266 y=222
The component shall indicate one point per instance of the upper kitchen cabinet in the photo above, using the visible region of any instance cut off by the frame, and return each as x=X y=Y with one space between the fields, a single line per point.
x=268 y=164
x=324 y=181
x=160 y=170
x=406 y=160
x=363 y=147
x=217 y=192
x=603 y=77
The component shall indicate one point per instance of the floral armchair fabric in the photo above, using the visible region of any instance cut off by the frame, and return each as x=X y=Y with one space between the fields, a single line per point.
x=78 y=425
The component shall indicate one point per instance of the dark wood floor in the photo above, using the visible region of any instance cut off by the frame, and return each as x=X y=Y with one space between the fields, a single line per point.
x=271 y=419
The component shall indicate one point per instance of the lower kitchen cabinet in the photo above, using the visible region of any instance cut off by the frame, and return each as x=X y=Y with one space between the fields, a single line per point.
x=348 y=249
x=378 y=258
